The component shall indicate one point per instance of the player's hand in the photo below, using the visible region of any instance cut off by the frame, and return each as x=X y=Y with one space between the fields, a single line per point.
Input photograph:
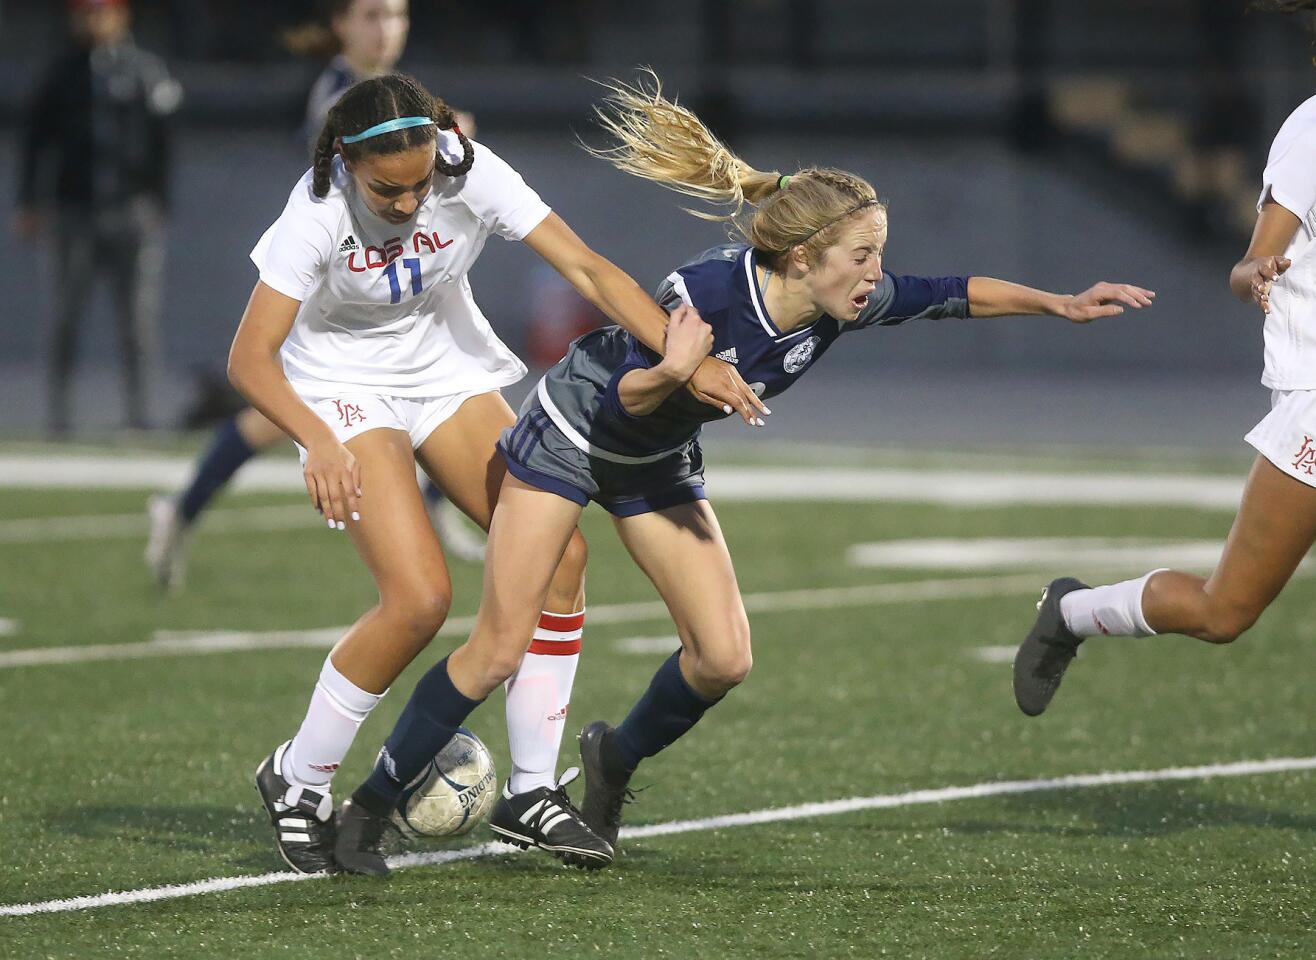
x=1105 y=300
x=688 y=341
x=1261 y=274
x=719 y=384
x=333 y=479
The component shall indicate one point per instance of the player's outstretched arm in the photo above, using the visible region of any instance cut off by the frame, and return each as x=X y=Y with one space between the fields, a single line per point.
x=989 y=297
x=688 y=341
x=333 y=478
x=612 y=290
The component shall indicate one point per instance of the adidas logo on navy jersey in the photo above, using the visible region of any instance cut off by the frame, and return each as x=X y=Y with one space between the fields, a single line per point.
x=349 y=245
x=729 y=355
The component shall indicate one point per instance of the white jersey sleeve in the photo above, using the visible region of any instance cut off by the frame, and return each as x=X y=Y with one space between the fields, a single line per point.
x=497 y=195
x=294 y=253
x=1290 y=175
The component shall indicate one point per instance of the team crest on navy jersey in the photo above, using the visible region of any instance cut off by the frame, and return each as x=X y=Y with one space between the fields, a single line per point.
x=798 y=357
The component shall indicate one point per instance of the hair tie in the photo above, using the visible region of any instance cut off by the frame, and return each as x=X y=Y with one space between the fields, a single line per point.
x=782 y=181
x=456 y=129
x=388 y=126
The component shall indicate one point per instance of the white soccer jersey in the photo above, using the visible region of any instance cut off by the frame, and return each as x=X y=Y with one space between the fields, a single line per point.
x=387 y=309
x=1290 y=180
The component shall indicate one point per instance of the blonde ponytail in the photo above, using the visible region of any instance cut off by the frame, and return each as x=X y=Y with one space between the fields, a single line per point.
x=660 y=140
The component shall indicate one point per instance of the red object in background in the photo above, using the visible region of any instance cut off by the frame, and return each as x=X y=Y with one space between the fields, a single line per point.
x=558 y=315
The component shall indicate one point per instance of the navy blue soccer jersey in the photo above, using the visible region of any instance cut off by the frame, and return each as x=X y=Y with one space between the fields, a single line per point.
x=722 y=285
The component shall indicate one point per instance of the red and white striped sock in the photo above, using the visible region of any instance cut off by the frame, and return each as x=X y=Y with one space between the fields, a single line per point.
x=538 y=696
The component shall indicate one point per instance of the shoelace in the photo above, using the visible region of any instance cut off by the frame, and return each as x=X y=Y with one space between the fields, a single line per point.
x=627 y=795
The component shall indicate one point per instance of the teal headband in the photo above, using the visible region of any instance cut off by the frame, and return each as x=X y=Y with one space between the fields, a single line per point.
x=388 y=126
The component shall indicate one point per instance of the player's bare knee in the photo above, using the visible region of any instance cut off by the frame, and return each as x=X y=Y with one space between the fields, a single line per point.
x=1225 y=625
x=422 y=612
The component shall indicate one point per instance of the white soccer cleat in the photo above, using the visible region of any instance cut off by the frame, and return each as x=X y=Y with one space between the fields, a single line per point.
x=166 y=546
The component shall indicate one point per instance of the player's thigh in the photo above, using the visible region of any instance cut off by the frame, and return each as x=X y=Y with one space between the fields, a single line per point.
x=394 y=536
x=461 y=455
x=682 y=551
x=1274 y=529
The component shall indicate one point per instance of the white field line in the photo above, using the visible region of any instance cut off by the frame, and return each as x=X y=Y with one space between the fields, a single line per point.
x=991 y=788
x=777 y=484
x=663 y=644
x=988 y=553
x=166 y=643
x=993 y=654
x=108 y=526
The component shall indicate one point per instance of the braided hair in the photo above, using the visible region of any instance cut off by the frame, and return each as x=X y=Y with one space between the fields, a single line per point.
x=376 y=101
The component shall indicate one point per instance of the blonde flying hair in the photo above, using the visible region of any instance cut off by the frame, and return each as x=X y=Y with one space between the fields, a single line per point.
x=660 y=140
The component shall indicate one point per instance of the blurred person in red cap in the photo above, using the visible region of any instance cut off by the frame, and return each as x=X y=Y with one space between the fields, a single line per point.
x=94 y=167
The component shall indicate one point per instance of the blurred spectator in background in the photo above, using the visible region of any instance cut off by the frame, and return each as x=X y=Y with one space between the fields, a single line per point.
x=94 y=172
x=360 y=39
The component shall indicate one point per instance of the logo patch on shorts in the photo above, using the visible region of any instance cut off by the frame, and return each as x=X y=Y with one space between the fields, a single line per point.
x=799 y=355
x=350 y=413
x=1306 y=458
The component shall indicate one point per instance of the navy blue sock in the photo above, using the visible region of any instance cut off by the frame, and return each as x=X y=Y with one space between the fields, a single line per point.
x=667 y=710
x=428 y=721
x=227 y=452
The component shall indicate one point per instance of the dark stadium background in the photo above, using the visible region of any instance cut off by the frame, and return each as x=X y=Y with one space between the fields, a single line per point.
x=1056 y=142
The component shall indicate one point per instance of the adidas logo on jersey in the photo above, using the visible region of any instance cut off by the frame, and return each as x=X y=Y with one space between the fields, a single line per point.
x=349 y=245
x=729 y=355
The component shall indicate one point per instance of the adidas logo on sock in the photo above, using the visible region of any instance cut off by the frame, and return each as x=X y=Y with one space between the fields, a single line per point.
x=729 y=355
x=349 y=245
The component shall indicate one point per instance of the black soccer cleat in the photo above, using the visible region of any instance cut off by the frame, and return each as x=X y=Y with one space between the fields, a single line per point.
x=362 y=836
x=303 y=818
x=606 y=789
x=546 y=818
x=1045 y=654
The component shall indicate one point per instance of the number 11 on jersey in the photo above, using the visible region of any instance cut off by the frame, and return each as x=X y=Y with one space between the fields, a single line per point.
x=391 y=271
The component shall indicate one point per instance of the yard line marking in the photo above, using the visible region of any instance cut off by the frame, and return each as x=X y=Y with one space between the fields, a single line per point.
x=835 y=484
x=991 y=654
x=988 y=553
x=167 y=643
x=109 y=526
x=664 y=644
x=888 y=801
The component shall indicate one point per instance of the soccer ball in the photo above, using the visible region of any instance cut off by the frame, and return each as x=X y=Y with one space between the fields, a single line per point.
x=452 y=794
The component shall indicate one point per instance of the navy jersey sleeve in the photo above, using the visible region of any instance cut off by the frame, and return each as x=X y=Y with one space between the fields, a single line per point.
x=899 y=298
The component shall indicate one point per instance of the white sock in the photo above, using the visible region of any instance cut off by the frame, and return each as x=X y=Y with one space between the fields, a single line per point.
x=1114 y=610
x=338 y=707
x=538 y=696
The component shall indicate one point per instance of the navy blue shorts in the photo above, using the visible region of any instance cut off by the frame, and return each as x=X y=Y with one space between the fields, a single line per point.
x=540 y=454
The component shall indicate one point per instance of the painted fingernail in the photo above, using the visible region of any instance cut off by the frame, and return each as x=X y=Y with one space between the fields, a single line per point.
x=358 y=491
x=726 y=408
x=341 y=525
x=767 y=411
x=331 y=524
x=760 y=421
x=356 y=516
